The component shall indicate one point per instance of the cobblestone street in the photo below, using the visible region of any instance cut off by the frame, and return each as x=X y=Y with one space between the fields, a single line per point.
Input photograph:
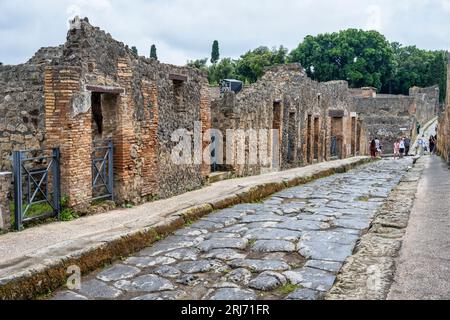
x=291 y=246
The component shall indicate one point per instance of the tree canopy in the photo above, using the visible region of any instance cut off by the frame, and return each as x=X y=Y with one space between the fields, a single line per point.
x=153 y=54
x=215 y=53
x=363 y=58
x=135 y=51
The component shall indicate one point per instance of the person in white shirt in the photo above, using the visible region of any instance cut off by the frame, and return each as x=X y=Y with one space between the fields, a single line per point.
x=402 y=148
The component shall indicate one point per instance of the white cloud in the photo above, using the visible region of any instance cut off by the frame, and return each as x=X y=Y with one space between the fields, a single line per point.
x=445 y=5
x=185 y=29
x=374 y=18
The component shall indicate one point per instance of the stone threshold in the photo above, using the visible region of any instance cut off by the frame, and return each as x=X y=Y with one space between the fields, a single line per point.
x=28 y=272
x=369 y=273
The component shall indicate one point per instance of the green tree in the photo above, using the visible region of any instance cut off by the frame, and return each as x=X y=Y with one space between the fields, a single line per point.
x=224 y=69
x=250 y=67
x=215 y=53
x=417 y=67
x=363 y=58
x=153 y=54
x=135 y=51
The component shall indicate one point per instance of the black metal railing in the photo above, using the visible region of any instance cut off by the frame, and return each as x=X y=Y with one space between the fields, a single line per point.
x=103 y=171
x=37 y=185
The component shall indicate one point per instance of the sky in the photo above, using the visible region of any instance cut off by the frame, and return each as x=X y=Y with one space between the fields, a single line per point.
x=185 y=29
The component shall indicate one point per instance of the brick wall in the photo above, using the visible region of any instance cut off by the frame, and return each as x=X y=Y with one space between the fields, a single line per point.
x=69 y=127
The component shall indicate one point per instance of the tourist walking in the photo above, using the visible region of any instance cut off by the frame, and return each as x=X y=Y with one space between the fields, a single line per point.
x=407 y=146
x=378 y=147
x=402 y=147
x=432 y=144
x=396 y=149
x=373 y=149
x=421 y=145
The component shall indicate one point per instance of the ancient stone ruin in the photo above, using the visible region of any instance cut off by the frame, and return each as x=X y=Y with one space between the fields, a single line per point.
x=94 y=89
x=390 y=117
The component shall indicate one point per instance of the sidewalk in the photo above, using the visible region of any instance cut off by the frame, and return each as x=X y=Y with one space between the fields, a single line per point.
x=423 y=269
x=35 y=261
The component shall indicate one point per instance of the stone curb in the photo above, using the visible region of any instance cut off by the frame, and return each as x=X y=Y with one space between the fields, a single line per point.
x=40 y=279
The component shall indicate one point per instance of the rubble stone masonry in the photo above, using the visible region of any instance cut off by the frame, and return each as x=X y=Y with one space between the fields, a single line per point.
x=5 y=195
x=444 y=123
x=94 y=88
x=391 y=117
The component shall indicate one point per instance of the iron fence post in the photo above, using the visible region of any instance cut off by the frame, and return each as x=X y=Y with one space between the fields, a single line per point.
x=17 y=168
x=111 y=168
x=57 y=182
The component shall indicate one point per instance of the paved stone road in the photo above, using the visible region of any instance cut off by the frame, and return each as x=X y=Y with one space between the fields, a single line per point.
x=289 y=247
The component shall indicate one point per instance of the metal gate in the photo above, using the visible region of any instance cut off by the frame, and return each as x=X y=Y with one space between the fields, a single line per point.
x=37 y=193
x=103 y=171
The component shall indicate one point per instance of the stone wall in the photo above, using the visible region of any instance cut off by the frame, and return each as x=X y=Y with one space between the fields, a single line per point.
x=285 y=99
x=142 y=103
x=444 y=122
x=390 y=117
x=94 y=88
x=5 y=195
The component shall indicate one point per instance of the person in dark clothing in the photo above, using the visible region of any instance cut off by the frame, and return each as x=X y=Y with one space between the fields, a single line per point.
x=407 y=146
x=373 y=149
x=432 y=143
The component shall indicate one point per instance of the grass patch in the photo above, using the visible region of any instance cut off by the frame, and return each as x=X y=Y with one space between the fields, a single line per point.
x=363 y=199
x=288 y=288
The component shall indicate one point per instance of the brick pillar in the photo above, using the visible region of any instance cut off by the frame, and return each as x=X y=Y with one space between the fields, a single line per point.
x=68 y=120
x=205 y=118
x=5 y=195
x=124 y=138
x=149 y=141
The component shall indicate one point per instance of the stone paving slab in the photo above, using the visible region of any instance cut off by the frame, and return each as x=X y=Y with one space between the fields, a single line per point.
x=34 y=261
x=290 y=260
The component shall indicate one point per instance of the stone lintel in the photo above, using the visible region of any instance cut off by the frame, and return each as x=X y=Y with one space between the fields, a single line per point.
x=105 y=89
x=178 y=77
x=337 y=113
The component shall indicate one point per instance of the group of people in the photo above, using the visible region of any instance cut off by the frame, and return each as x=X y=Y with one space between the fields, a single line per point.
x=424 y=146
x=402 y=147
x=376 y=148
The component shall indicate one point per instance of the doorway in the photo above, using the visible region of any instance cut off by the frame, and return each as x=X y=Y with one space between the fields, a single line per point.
x=337 y=129
x=316 y=138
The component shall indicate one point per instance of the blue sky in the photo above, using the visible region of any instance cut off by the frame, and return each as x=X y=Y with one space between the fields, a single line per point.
x=185 y=29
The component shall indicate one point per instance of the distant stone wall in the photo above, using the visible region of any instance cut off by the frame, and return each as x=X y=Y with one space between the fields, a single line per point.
x=5 y=195
x=391 y=117
x=427 y=103
x=444 y=123
x=285 y=99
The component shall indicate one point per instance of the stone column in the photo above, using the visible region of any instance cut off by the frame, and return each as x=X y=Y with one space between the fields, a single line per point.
x=5 y=193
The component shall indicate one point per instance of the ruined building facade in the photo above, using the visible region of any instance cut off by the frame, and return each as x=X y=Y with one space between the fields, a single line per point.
x=316 y=121
x=93 y=89
x=390 y=117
